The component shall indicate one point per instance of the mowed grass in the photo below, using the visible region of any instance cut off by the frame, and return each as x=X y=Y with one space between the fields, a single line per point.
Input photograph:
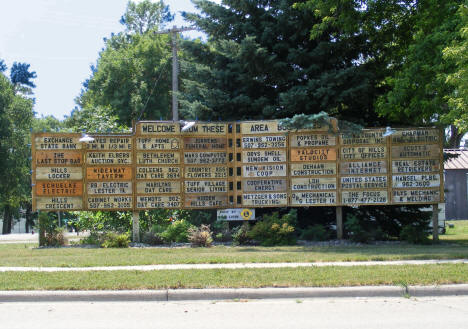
x=24 y=255
x=225 y=278
x=458 y=234
x=454 y=244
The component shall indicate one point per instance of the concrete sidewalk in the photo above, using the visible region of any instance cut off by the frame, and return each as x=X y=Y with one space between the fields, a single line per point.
x=229 y=294
x=229 y=266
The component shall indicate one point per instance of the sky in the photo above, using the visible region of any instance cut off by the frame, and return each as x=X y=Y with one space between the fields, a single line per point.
x=61 y=39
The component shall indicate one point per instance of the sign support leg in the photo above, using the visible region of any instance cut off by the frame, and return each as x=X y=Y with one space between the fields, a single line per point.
x=435 y=222
x=136 y=226
x=339 y=223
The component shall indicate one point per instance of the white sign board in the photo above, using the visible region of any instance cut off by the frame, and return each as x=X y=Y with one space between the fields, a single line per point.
x=236 y=214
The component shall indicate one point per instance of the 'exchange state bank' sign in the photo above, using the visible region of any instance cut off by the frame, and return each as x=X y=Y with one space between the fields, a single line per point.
x=235 y=165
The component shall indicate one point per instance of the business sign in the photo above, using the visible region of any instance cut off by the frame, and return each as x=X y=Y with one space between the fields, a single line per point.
x=366 y=137
x=313 y=198
x=59 y=173
x=265 y=199
x=313 y=154
x=108 y=158
x=158 y=172
x=59 y=158
x=206 y=172
x=262 y=142
x=264 y=185
x=110 y=143
x=313 y=169
x=236 y=165
x=158 y=201
x=236 y=214
x=158 y=143
x=59 y=203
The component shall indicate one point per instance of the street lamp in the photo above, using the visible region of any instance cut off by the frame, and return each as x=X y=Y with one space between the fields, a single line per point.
x=86 y=138
x=389 y=132
x=187 y=125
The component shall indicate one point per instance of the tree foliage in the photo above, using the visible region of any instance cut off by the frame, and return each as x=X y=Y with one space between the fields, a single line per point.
x=416 y=89
x=20 y=75
x=16 y=117
x=132 y=77
x=145 y=16
x=457 y=52
x=3 y=66
x=260 y=62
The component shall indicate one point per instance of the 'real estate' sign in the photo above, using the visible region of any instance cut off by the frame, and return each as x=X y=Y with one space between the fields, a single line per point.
x=235 y=165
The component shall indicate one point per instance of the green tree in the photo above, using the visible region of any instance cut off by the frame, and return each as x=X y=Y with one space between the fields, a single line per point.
x=47 y=123
x=260 y=62
x=457 y=52
x=145 y=16
x=16 y=117
x=416 y=90
x=132 y=77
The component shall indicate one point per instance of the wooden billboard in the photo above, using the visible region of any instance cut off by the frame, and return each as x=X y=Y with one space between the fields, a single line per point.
x=236 y=165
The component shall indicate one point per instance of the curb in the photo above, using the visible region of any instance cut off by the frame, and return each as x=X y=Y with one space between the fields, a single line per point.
x=226 y=294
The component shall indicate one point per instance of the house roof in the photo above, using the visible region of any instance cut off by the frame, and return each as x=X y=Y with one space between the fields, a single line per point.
x=460 y=162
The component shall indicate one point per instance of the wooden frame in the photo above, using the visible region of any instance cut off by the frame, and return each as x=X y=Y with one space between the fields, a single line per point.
x=219 y=165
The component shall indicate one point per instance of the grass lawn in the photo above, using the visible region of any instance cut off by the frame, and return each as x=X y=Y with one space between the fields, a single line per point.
x=458 y=234
x=25 y=255
x=454 y=245
x=224 y=278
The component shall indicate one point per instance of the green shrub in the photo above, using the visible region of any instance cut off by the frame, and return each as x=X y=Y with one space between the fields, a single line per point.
x=315 y=232
x=356 y=229
x=200 y=236
x=177 y=231
x=93 y=238
x=49 y=232
x=240 y=235
x=151 y=238
x=274 y=230
x=115 y=240
x=417 y=234
x=221 y=231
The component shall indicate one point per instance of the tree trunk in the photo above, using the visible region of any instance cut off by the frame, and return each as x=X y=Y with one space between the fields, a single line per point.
x=7 y=218
x=455 y=137
x=28 y=217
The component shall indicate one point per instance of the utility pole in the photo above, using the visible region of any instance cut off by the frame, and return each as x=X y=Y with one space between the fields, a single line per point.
x=175 y=67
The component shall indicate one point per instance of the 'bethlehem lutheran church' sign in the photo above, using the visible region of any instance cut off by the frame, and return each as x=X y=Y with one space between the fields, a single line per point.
x=235 y=165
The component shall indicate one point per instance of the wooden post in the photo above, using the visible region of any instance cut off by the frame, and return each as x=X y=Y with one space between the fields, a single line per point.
x=339 y=223
x=435 y=222
x=136 y=226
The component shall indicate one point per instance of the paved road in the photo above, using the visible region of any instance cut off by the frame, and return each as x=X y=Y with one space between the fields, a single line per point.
x=324 y=313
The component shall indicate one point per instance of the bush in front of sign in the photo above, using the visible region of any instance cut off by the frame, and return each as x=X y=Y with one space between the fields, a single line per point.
x=177 y=231
x=221 y=231
x=50 y=234
x=115 y=240
x=240 y=235
x=274 y=230
x=414 y=233
x=316 y=232
x=356 y=229
x=200 y=236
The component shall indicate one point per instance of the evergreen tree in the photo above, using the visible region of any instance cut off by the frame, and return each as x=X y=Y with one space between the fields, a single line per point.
x=260 y=62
